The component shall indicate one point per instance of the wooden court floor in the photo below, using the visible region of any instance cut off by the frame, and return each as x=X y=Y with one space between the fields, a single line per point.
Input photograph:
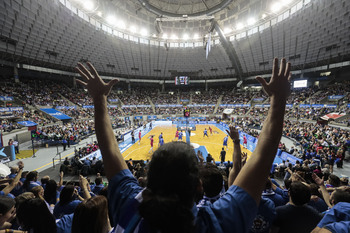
x=213 y=143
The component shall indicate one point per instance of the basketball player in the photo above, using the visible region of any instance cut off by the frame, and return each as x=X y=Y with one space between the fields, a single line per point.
x=160 y=138
x=225 y=142
x=211 y=130
x=139 y=137
x=244 y=141
x=180 y=136
x=176 y=135
x=151 y=149
x=161 y=141
x=205 y=133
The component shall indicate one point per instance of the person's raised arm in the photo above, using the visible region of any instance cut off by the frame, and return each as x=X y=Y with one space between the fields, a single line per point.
x=324 y=192
x=236 y=156
x=15 y=181
x=99 y=90
x=253 y=175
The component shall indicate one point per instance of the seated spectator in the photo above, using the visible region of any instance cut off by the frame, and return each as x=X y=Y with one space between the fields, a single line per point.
x=91 y=216
x=7 y=212
x=98 y=185
x=68 y=195
x=296 y=216
x=31 y=181
x=34 y=216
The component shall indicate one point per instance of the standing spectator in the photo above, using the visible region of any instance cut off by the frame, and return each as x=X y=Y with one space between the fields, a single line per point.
x=15 y=143
x=132 y=136
x=173 y=180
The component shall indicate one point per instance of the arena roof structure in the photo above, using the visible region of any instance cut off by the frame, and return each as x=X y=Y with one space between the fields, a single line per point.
x=159 y=39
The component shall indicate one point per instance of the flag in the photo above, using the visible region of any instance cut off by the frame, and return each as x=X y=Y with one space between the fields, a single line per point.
x=207 y=50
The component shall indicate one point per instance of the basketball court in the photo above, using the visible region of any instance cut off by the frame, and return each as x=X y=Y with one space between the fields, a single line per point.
x=212 y=144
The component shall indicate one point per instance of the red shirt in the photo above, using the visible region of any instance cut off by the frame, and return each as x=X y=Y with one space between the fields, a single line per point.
x=151 y=141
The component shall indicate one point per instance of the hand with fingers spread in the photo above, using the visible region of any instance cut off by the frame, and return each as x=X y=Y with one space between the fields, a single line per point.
x=233 y=133
x=279 y=85
x=93 y=82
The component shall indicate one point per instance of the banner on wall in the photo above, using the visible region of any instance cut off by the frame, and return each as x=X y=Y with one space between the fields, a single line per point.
x=6 y=98
x=11 y=109
x=88 y=106
x=56 y=114
x=335 y=97
x=152 y=117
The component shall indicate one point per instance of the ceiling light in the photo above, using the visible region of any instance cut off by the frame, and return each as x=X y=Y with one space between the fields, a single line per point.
x=99 y=13
x=132 y=29
x=154 y=35
x=89 y=5
x=174 y=37
x=195 y=36
x=276 y=7
x=264 y=16
x=185 y=37
x=227 y=30
x=111 y=19
x=165 y=36
x=239 y=26
x=251 y=21
x=143 y=32
x=121 y=24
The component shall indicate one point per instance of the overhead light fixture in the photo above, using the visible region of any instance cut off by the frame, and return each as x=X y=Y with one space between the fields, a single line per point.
x=251 y=21
x=227 y=30
x=165 y=36
x=88 y=5
x=195 y=36
x=143 y=32
x=239 y=26
x=276 y=7
x=99 y=13
x=154 y=35
x=264 y=16
x=132 y=29
x=185 y=37
x=111 y=19
x=121 y=24
x=174 y=37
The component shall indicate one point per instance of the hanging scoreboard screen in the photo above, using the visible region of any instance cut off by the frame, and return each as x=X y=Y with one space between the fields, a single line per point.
x=182 y=80
x=187 y=112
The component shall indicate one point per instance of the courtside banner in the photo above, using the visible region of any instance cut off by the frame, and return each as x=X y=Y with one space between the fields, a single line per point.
x=27 y=123
x=317 y=105
x=88 y=106
x=151 y=117
x=292 y=159
x=304 y=106
x=56 y=114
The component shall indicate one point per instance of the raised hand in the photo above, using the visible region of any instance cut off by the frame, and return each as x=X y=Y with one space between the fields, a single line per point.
x=279 y=85
x=233 y=133
x=93 y=82
x=317 y=179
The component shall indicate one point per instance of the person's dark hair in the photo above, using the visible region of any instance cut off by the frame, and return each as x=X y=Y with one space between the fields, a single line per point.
x=212 y=180
x=22 y=198
x=6 y=203
x=171 y=189
x=299 y=193
x=31 y=176
x=314 y=190
x=95 y=208
x=98 y=180
x=33 y=215
x=66 y=194
x=334 y=180
x=50 y=192
x=341 y=196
